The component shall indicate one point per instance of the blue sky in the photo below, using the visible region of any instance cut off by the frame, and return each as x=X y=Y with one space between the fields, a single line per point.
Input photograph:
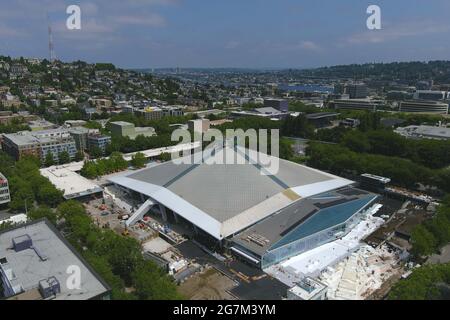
x=228 y=33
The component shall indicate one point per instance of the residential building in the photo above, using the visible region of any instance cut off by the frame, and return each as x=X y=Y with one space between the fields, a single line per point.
x=150 y=113
x=41 y=124
x=98 y=141
x=5 y=197
x=173 y=111
x=36 y=263
x=39 y=143
x=80 y=135
x=7 y=117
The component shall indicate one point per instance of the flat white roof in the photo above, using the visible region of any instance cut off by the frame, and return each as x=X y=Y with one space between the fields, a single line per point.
x=71 y=183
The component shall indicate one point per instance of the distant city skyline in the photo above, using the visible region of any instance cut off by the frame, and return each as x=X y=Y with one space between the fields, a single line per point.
x=254 y=34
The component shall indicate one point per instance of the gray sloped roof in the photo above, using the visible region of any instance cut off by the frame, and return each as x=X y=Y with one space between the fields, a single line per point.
x=225 y=190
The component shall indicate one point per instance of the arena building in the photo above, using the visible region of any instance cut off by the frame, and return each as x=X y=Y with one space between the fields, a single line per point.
x=238 y=205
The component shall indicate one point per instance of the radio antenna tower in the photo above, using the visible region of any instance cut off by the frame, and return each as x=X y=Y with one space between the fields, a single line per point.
x=50 y=41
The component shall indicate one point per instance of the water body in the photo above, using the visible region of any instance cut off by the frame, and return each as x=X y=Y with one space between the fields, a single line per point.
x=305 y=88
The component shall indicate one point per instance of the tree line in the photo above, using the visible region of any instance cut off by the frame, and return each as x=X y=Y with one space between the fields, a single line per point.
x=95 y=168
x=403 y=172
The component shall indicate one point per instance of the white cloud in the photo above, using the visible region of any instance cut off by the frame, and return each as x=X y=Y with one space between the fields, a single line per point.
x=152 y=19
x=309 y=45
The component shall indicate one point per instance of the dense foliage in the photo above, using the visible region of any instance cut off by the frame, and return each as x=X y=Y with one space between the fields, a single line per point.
x=430 y=236
x=430 y=282
x=26 y=184
x=138 y=160
x=341 y=161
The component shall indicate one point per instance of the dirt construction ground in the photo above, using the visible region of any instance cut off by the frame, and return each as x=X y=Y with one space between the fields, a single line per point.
x=209 y=285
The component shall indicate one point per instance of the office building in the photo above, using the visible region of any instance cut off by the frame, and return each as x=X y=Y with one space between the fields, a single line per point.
x=355 y=104
x=430 y=95
x=127 y=129
x=357 y=91
x=278 y=104
x=150 y=113
x=432 y=107
x=172 y=111
x=36 y=263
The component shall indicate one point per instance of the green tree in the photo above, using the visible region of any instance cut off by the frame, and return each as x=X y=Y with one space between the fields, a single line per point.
x=423 y=241
x=356 y=141
x=43 y=212
x=165 y=157
x=95 y=152
x=64 y=157
x=49 y=160
x=79 y=156
x=138 y=160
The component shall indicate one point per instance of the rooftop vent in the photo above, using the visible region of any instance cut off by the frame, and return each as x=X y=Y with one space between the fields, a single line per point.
x=22 y=243
x=49 y=287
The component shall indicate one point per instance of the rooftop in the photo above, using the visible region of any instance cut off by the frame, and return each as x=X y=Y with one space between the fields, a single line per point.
x=304 y=218
x=122 y=123
x=228 y=197
x=48 y=255
x=424 y=132
x=72 y=184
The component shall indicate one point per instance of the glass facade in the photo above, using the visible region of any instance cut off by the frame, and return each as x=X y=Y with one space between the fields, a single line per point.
x=326 y=225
